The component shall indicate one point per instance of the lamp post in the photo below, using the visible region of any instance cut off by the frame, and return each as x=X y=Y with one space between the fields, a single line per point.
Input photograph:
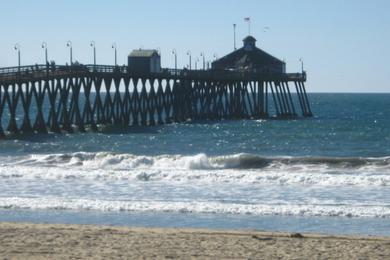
x=234 y=35
x=196 y=63
x=17 y=48
x=189 y=54
x=204 y=63
x=301 y=60
x=69 y=45
x=115 y=53
x=94 y=53
x=175 y=53
x=44 y=46
x=215 y=56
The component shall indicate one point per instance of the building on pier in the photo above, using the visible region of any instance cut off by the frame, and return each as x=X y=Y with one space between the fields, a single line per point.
x=250 y=58
x=144 y=61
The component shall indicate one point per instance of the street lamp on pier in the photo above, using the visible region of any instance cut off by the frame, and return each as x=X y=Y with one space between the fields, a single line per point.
x=44 y=46
x=234 y=35
x=189 y=54
x=301 y=60
x=17 y=48
x=204 y=62
x=115 y=53
x=196 y=63
x=69 y=45
x=94 y=53
x=175 y=53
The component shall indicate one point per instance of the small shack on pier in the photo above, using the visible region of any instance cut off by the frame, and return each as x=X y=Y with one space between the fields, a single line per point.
x=250 y=58
x=144 y=61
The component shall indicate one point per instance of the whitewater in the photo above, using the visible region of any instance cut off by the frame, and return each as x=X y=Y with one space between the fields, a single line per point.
x=232 y=184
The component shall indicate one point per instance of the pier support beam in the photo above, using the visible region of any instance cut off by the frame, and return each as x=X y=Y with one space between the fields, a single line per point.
x=53 y=90
x=276 y=103
x=281 y=99
x=88 y=114
x=285 y=85
x=63 y=105
x=300 y=97
x=306 y=100
x=25 y=98
x=2 y=104
x=117 y=105
x=289 y=113
x=126 y=102
x=39 y=94
x=12 y=105
x=135 y=102
x=152 y=102
x=160 y=102
x=108 y=104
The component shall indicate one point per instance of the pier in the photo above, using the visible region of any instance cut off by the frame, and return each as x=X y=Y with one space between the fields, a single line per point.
x=64 y=98
x=245 y=84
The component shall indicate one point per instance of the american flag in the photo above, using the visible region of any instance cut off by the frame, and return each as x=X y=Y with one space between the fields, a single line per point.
x=247 y=19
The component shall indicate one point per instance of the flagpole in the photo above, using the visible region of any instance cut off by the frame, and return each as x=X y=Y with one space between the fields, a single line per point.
x=248 y=20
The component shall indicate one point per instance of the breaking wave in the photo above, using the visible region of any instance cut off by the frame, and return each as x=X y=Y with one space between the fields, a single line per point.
x=199 y=161
x=237 y=168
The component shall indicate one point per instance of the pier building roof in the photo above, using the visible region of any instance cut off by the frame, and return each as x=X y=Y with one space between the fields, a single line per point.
x=250 y=58
x=143 y=53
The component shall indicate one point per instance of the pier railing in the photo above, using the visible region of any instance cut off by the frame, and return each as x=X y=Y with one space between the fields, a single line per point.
x=39 y=71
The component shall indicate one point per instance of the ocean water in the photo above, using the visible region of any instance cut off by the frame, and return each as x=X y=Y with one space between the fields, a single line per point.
x=326 y=174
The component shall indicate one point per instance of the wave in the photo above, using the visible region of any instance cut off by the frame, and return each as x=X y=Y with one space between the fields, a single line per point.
x=199 y=161
x=200 y=167
x=377 y=211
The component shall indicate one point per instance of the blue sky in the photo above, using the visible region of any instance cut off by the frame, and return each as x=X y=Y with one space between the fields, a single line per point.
x=345 y=44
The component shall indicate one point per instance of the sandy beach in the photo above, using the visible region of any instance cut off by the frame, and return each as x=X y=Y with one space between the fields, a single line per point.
x=53 y=241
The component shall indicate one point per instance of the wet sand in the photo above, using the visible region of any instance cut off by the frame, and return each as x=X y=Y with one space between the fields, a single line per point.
x=51 y=241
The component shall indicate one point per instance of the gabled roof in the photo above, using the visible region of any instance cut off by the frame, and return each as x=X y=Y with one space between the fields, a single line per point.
x=143 y=53
x=247 y=56
x=254 y=56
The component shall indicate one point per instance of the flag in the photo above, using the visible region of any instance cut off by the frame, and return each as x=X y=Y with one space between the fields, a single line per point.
x=247 y=19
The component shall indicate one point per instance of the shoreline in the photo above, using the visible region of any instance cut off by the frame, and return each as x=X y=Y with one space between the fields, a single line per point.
x=27 y=240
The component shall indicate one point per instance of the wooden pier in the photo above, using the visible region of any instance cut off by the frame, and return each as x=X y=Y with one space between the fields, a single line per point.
x=51 y=98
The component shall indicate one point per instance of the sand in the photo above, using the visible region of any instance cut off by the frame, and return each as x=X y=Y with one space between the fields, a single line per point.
x=52 y=241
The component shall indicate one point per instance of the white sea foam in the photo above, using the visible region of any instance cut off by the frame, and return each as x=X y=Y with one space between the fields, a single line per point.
x=237 y=168
x=378 y=211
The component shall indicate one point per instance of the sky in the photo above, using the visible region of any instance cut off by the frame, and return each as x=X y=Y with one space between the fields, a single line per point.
x=344 y=44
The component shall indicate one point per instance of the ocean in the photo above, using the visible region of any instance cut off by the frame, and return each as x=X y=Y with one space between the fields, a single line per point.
x=327 y=174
